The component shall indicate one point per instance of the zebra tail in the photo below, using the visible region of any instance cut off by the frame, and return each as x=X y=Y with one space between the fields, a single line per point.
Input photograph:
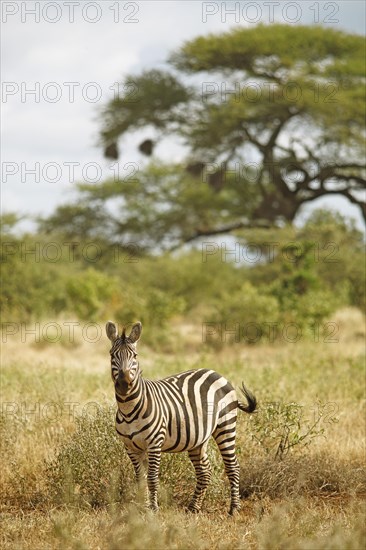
x=250 y=398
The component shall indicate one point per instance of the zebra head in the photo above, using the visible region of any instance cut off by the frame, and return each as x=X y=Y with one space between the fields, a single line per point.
x=125 y=367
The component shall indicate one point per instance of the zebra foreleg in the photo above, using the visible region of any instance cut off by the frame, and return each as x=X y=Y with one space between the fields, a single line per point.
x=154 y=457
x=202 y=467
x=137 y=460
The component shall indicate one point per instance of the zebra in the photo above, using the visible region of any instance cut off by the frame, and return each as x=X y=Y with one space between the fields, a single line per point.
x=175 y=414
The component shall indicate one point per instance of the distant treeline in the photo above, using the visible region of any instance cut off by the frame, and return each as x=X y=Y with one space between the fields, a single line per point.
x=256 y=279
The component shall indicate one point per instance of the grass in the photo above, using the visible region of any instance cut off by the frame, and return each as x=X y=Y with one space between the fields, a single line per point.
x=67 y=483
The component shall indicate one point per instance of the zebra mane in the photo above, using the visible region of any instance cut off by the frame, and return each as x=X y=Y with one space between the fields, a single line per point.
x=123 y=339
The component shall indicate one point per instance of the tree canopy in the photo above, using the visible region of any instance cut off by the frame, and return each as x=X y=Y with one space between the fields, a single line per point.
x=271 y=117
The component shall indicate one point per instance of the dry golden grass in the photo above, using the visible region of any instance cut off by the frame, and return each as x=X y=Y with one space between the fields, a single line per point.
x=298 y=523
x=311 y=499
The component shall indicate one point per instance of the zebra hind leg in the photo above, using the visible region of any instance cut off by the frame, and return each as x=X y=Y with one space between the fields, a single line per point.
x=224 y=435
x=199 y=459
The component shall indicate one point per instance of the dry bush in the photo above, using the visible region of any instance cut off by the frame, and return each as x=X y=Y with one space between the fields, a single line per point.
x=312 y=474
x=91 y=467
x=301 y=524
x=23 y=480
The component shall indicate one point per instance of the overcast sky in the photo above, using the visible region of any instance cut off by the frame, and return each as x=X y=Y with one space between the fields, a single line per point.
x=60 y=63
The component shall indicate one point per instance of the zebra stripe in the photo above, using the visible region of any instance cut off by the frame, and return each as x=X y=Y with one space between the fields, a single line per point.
x=178 y=413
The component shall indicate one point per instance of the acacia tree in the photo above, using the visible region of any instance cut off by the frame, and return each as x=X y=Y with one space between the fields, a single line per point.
x=271 y=117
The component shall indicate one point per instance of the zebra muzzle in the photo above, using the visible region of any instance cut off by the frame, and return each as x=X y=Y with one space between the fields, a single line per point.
x=122 y=384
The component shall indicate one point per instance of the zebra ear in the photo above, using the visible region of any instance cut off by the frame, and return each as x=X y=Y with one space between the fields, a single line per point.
x=111 y=331
x=135 y=332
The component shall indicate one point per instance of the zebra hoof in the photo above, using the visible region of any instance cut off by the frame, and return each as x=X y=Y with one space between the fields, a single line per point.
x=153 y=508
x=193 y=509
x=234 y=511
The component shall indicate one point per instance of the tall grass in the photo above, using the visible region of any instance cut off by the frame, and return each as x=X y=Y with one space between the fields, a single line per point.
x=67 y=482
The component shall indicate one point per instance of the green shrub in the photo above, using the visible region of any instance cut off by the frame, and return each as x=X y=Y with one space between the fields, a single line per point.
x=89 y=293
x=152 y=306
x=310 y=309
x=280 y=427
x=248 y=308
x=91 y=467
x=29 y=288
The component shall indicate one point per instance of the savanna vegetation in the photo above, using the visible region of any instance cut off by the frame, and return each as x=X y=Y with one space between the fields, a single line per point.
x=67 y=482
x=290 y=275
x=277 y=305
x=290 y=325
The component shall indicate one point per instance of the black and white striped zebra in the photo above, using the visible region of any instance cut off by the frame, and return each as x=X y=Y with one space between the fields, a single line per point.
x=175 y=414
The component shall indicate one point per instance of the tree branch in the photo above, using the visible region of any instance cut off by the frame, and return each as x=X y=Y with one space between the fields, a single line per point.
x=263 y=224
x=272 y=140
x=316 y=193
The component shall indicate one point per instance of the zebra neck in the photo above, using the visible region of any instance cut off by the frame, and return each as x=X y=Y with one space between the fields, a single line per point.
x=134 y=401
